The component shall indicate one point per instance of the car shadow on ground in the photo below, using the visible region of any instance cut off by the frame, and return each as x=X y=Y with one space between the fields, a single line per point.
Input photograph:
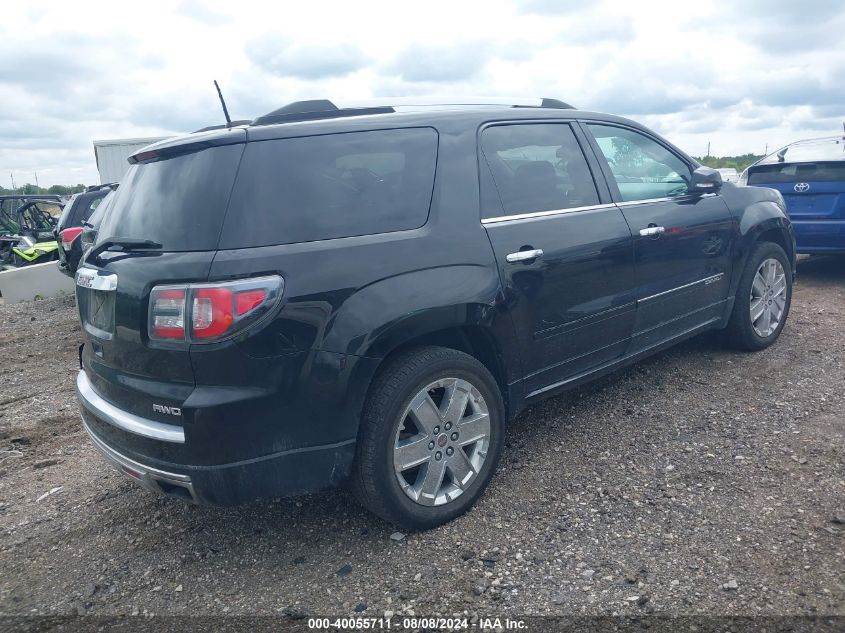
x=821 y=271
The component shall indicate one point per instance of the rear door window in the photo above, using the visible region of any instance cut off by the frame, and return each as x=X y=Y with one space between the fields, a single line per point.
x=537 y=167
x=331 y=186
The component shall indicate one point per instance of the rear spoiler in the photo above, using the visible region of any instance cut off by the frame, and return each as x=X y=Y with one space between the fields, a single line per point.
x=188 y=144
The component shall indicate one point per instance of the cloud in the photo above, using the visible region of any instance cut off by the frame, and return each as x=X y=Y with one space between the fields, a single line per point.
x=432 y=63
x=197 y=10
x=48 y=68
x=554 y=7
x=592 y=29
x=767 y=71
x=280 y=57
x=786 y=27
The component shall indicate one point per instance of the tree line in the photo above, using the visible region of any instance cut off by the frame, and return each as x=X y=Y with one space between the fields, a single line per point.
x=34 y=190
x=737 y=162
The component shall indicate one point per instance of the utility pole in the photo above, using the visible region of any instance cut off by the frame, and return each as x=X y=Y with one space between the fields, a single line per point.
x=36 y=180
x=12 y=176
x=708 y=149
x=766 y=153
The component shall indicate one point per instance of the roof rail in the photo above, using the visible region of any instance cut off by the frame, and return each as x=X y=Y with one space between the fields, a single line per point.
x=316 y=109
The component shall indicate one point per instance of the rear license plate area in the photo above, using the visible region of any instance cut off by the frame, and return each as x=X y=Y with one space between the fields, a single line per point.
x=95 y=295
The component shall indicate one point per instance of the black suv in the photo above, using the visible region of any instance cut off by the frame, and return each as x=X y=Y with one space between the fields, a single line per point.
x=337 y=295
x=74 y=220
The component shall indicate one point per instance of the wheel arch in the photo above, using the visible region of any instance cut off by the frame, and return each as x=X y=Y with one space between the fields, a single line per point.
x=762 y=221
x=474 y=339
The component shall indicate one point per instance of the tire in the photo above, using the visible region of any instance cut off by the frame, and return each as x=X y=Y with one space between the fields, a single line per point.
x=390 y=434
x=744 y=333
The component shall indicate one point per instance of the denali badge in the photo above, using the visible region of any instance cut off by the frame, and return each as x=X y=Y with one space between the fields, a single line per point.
x=160 y=408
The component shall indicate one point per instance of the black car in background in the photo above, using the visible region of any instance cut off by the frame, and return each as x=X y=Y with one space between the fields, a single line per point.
x=365 y=296
x=73 y=222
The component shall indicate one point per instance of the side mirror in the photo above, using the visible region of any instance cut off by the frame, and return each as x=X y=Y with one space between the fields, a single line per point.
x=705 y=180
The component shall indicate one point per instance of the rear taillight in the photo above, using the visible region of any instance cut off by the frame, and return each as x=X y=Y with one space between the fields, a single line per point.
x=205 y=313
x=67 y=236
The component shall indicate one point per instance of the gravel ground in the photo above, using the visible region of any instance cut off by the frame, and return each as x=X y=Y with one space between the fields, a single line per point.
x=701 y=481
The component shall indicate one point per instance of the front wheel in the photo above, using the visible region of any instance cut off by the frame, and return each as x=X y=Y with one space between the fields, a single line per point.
x=431 y=436
x=763 y=298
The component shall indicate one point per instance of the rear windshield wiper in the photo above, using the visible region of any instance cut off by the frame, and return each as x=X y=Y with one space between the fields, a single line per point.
x=125 y=244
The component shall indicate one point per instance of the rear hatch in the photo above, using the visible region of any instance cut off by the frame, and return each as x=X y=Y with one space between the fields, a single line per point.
x=177 y=198
x=812 y=190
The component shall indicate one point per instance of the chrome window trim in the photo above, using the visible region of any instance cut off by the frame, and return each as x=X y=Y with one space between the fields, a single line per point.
x=129 y=422
x=545 y=214
x=630 y=203
x=707 y=280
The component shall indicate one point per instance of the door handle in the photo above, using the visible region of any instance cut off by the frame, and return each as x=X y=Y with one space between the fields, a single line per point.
x=522 y=256
x=652 y=231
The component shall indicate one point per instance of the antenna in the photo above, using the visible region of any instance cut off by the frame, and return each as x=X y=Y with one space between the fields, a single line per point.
x=223 y=103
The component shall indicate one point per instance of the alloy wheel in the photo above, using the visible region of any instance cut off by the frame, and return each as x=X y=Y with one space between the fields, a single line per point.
x=768 y=297
x=442 y=441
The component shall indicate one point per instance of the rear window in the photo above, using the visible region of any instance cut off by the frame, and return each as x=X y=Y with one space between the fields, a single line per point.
x=796 y=172
x=179 y=202
x=331 y=186
x=816 y=150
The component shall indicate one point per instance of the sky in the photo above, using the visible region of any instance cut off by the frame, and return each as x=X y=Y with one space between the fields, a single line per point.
x=738 y=75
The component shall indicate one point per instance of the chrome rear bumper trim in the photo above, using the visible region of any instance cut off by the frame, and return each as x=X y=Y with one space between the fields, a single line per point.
x=130 y=422
x=147 y=476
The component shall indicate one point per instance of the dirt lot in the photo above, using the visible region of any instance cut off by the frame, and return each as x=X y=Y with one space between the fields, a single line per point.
x=701 y=481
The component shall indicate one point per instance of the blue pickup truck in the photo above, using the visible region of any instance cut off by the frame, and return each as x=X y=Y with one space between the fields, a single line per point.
x=811 y=177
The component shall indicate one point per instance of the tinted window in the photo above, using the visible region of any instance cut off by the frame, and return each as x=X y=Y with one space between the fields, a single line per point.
x=179 y=202
x=537 y=167
x=809 y=151
x=643 y=168
x=96 y=218
x=337 y=185
x=796 y=172
x=65 y=214
x=84 y=206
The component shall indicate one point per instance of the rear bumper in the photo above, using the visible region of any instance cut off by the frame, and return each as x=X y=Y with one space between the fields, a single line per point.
x=221 y=456
x=818 y=237
x=129 y=422
x=281 y=475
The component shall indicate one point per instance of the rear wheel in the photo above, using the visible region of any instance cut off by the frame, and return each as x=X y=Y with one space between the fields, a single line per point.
x=763 y=299
x=431 y=435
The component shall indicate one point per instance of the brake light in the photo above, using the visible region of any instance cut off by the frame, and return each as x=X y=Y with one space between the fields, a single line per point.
x=213 y=311
x=249 y=299
x=68 y=236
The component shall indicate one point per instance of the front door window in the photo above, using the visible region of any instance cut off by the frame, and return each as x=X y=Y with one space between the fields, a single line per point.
x=643 y=168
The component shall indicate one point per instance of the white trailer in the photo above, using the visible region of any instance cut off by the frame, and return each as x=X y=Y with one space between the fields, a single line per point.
x=111 y=155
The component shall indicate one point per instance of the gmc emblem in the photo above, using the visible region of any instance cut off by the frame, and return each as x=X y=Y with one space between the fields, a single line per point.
x=160 y=408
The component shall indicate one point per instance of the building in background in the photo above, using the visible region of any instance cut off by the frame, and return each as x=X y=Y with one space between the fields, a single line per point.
x=111 y=155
